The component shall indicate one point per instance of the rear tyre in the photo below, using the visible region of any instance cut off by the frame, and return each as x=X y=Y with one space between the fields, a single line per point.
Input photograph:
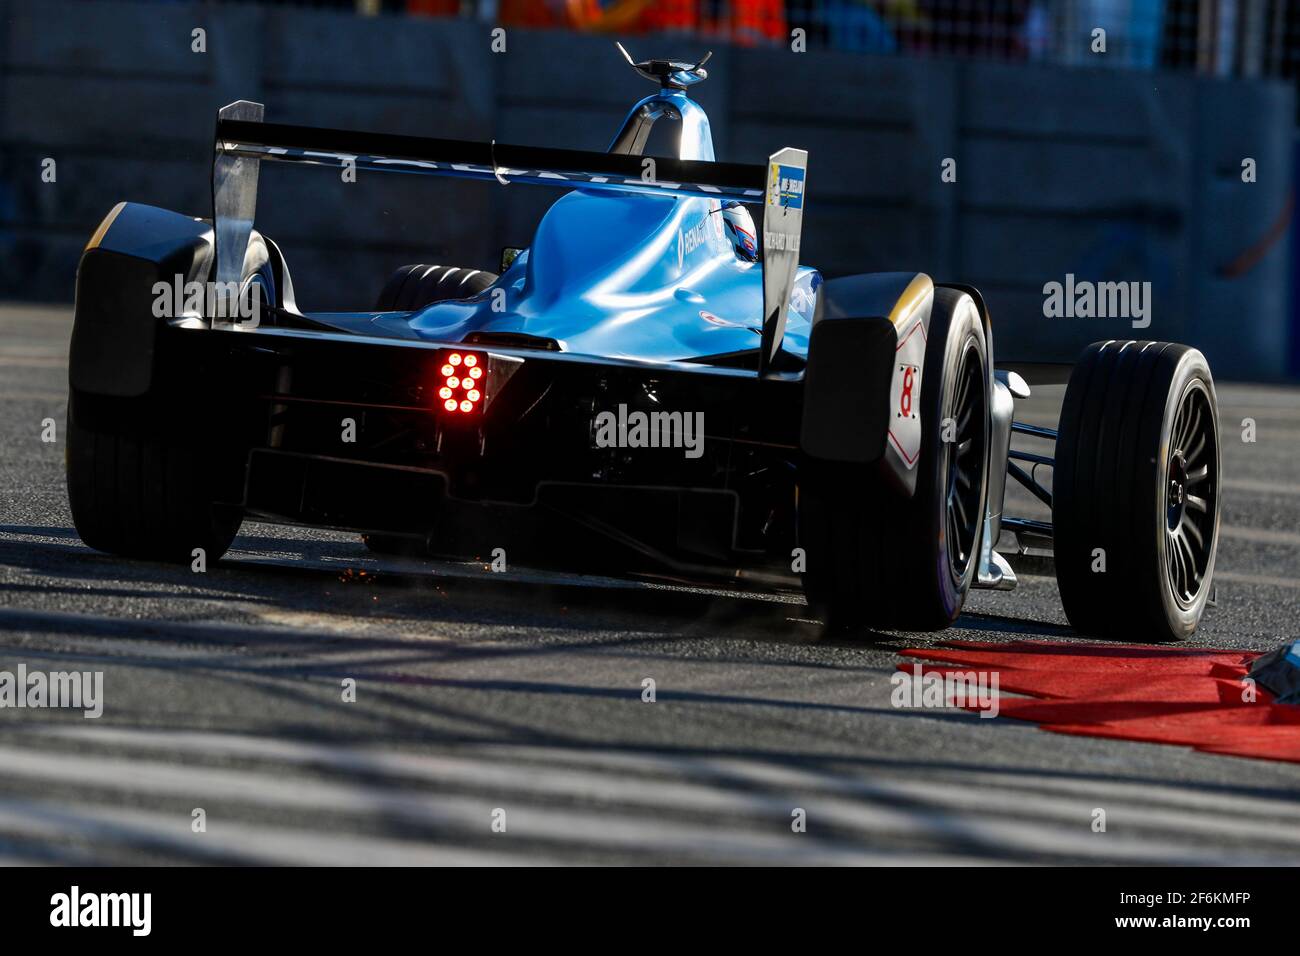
x=140 y=495
x=258 y=269
x=878 y=561
x=416 y=286
x=1135 y=497
x=142 y=484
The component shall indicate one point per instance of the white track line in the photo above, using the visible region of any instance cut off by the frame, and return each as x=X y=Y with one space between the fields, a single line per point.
x=165 y=832
x=1259 y=535
x=1005 y=821
x=468 y=816
x=1260 y=487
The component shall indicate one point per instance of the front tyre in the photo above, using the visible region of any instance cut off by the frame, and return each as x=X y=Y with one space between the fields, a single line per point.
x=875 y=560
x=1136 y=487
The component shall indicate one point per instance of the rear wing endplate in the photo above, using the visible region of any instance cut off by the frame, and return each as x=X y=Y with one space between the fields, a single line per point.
x=243 y=140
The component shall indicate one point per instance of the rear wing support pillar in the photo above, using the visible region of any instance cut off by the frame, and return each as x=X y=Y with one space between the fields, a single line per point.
x=782 y=229
x=234 y=201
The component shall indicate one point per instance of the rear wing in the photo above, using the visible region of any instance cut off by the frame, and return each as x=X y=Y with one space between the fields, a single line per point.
x=243 y=141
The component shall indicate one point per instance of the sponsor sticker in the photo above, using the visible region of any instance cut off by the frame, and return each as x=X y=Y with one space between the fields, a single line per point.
x=907 y=392
x=694 y=237
x=718 y=320
x=787 y=186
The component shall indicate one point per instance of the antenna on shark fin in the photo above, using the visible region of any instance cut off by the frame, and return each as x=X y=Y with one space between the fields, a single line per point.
x=669 y=74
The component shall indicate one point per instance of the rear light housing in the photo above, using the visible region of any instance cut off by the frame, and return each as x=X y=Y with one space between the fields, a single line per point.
x=461 y=391
x=465 y=382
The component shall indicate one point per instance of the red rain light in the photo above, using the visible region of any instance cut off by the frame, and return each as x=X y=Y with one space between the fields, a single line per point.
x=460 y=371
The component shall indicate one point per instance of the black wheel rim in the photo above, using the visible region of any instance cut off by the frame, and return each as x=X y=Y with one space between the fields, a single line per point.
x=1191 y=494
x=965 y=470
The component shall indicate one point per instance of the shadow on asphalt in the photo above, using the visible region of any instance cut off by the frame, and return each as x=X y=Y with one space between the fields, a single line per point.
x=409 y=704
x=356 y=583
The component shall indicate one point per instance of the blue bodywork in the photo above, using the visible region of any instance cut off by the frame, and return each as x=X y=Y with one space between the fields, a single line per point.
x=625 y=275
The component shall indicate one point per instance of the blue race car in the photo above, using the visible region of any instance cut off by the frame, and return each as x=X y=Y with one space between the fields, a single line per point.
x=655 y=385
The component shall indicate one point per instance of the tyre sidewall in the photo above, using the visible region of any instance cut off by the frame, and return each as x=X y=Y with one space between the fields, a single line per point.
x=1191 y=371
x=955 y=326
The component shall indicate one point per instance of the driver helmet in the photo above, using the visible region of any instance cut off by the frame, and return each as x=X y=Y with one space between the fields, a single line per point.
x=740 y=230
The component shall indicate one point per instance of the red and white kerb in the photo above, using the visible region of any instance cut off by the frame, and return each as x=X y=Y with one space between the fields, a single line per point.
x=461 y=380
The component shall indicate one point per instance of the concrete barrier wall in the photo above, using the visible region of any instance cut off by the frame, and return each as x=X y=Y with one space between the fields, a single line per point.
x=1109 y=175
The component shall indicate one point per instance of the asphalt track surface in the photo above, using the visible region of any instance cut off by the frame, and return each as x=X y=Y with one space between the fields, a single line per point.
x=521 y=692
